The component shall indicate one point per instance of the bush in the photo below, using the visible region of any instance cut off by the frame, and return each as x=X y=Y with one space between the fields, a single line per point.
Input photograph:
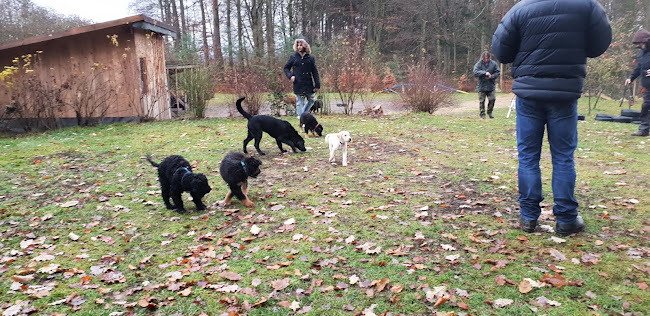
x=198 y=87
x=423 y=93
x=249 y=82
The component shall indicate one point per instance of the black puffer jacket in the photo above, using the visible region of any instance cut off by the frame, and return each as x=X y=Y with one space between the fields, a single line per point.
x=642 y=66
x=304 y=68
x=485 y=83
x=548 y=42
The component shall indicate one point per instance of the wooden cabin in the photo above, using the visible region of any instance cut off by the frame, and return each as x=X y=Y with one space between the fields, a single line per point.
x=100 y=73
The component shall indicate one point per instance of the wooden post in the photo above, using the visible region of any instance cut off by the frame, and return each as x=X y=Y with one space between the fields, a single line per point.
x=501 y=77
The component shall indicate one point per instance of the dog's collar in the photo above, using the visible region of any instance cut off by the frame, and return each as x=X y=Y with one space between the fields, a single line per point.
x=315 y=127
x=244 y=166
x=187 y=171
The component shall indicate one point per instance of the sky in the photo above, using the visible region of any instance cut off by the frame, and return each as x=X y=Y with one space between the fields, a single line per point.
x=96 y=10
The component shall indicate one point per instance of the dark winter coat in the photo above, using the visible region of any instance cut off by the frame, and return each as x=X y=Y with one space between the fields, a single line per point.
x=642 y=66
x=548 y=42
x=484 y=83
x=304 y=68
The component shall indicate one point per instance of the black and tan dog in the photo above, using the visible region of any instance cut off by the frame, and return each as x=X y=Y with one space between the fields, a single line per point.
x=281 y=130
x=309 y=123
x=176 y=176
x=235 y=169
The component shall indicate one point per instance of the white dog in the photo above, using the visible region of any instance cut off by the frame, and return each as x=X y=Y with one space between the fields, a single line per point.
x=336 y=141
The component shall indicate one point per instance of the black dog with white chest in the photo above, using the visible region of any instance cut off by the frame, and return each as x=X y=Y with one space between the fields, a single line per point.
x=176 y=176
x=281 y=130
x=309 y=123
x=235 y=169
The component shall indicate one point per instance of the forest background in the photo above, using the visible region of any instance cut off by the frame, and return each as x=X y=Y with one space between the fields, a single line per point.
x=374 y=43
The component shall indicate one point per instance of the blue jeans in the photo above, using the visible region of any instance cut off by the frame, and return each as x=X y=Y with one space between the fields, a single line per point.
x=301 y=99
x=561 y=122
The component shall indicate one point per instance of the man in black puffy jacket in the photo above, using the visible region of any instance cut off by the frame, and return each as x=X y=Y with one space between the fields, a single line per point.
x=487 y=71
x=642 y=41
x=548 y=43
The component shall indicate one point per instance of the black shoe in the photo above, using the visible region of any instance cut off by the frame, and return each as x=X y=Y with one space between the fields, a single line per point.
x=640 y=133
x=490 y=115
x=482 y=116
x=527 y=226
x=563 y=230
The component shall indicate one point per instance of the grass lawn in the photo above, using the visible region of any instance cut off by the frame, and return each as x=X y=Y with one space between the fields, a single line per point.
x=424 y=220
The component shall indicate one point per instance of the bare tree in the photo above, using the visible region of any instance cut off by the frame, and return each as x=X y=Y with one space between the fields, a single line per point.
x=204 y=33
x=216 y=35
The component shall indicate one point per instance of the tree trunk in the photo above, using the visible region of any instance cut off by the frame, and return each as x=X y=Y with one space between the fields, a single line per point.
x=240 y=32
x=204 y=33
x=270 y=30
x=162 y=10
x=216 y=35
x=292 y=20
x=183 y=29
x=231 y=59
x=175 y=22
x=255 y=12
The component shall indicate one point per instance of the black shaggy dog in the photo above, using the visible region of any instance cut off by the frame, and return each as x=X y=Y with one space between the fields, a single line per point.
x=309 y=123
x=235 y=169
x=175 y=176
x=281 y=130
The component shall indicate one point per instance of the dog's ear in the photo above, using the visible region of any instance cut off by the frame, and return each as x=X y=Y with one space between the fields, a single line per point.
x=341 y=137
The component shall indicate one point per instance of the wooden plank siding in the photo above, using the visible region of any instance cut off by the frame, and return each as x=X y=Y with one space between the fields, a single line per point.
x=112 y=52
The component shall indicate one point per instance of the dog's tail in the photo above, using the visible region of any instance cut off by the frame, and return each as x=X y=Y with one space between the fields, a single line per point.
x=241 y=110
x=152 y=163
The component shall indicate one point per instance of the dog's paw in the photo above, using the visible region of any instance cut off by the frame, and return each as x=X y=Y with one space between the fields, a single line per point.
x=170 y=207
x=226 y=203
x=249 y=204
x=181 y=211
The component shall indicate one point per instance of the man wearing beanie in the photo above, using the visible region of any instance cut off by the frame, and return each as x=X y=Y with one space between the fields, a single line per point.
x=642 y=69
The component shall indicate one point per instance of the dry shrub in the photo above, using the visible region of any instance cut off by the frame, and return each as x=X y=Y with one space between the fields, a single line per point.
x=249 y=82
x=90 y=95
x=423 y=94
x=34 y=104
x=346 y=71
x=466 y=84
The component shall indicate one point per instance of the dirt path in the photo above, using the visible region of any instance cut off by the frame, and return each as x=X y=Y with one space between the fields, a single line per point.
x=389 y=107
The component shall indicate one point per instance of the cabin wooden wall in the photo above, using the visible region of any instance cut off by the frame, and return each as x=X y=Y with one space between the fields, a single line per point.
x=112 y=56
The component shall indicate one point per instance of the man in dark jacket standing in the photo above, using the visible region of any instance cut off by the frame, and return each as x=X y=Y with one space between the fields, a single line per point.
x=642 y=41
x=487 y=71
x=548 y=43
x=301 y=70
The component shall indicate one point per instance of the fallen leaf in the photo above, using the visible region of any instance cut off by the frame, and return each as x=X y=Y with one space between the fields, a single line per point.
x=502 y=302
x=557 y=255
x=43 y=257
x=255 y=230
x=381 y=284
x=556 y=280
x=232 y=276
x=525 y=286
x=69 y=204
x=186 y=292
x=396 y=288
x=280 y=284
